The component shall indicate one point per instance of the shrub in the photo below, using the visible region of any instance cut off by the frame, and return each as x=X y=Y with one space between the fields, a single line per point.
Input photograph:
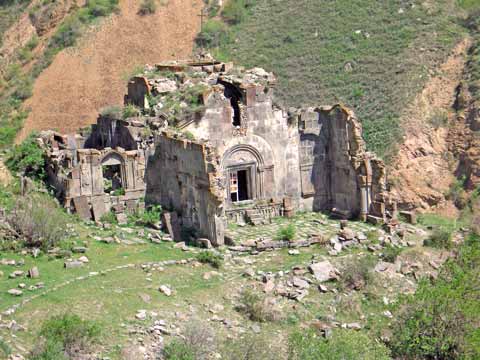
x=210 y=257
x=438 y=119
x=66 y=337
x=236 y=11
x=147 y=7
x=440 y=321
x=390 y=253
x=257 y=307
x=357 y=273
x=38 y=220
x=343 y=345
x=151 y=215
x=456 y=193
x=214 y=33
x=197 y=343
x=109 y=217
x=130 y=111
x=287 y=233
x=112 y=112
x=27 y=159
x=251 y=347
x=441 y=238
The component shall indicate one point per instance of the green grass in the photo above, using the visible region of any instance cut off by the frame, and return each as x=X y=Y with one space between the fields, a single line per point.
x=367 y=54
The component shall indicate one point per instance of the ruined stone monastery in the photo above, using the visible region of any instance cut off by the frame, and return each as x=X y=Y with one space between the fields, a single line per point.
x=211 y=146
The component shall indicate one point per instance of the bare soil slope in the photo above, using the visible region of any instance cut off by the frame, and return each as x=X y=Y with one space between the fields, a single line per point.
x=423 y=170
x=69 y=94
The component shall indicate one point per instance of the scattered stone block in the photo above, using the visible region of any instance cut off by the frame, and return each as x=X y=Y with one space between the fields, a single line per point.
x=72 y=264
x=79 y=249
x=33 y=273
x=323 y=271
x=15 y=292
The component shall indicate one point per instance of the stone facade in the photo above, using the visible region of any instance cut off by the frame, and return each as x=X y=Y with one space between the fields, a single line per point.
x=229 y=154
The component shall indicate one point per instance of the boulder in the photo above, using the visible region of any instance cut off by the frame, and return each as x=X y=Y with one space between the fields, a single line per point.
x=300 y=283
x=323 y=271
x=15 y=292
x=165 y=290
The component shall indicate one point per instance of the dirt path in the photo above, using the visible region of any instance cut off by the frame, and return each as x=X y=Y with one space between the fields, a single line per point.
x=423 y=169
x=69 y=94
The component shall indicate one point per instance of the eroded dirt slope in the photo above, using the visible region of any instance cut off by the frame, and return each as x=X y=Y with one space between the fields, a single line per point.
x=423 y=171
x=69 y=94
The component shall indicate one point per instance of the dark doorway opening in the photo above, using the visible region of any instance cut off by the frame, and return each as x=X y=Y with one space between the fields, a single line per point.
x=112 y=178
x=239 y=185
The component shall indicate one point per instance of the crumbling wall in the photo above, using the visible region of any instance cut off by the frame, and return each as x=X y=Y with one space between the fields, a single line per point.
x=337 y=174
x=182 y=176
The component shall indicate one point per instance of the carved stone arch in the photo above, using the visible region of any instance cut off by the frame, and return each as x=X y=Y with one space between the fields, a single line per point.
x=255 y=156
x=112 y=158
x=116 y=159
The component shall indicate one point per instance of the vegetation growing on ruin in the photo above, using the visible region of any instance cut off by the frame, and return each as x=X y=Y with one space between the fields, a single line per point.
x=327 y=52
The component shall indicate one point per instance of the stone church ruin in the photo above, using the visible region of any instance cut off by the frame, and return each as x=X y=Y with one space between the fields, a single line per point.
x=210 y=146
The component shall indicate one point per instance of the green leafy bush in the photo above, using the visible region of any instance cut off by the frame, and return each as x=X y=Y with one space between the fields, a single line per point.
x=287 y=233
x=440 y=321
x=178 y=350
x=27 y=159
x=151 y=215
x=66 y=337
x=214 y=33
x=390 y=253
x=210 y=257
x=343 y=345
x=130 y=111
x=109 y=217
x=441 y=238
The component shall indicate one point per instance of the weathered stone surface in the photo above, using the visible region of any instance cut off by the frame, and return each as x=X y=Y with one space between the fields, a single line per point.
x=15 y=292
x=205 y=243
x=33 y=273
x=72 y=264
x=171 y=224
x=165 y=290
x=323 y=271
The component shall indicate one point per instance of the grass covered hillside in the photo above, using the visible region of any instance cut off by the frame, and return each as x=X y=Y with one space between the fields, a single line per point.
x=374 y=56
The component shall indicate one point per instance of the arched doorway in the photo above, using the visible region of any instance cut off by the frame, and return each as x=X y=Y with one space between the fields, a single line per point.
x=243 y=168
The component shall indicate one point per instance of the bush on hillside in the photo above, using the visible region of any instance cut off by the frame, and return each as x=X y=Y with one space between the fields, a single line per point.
x=38 y=220
x=357 y=273
x=251 y=347
x=257 y=307
x=27 y=159
x=66 y=337
x=210 y=257
x=440 y=321
x=440 y=238
x=343 y=345
x=130 y=111
x=236 y=11
x=148 y=7
x=214 y=33
x=197 y=343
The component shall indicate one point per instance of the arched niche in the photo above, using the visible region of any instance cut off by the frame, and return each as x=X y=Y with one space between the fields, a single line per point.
x=113 y=173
